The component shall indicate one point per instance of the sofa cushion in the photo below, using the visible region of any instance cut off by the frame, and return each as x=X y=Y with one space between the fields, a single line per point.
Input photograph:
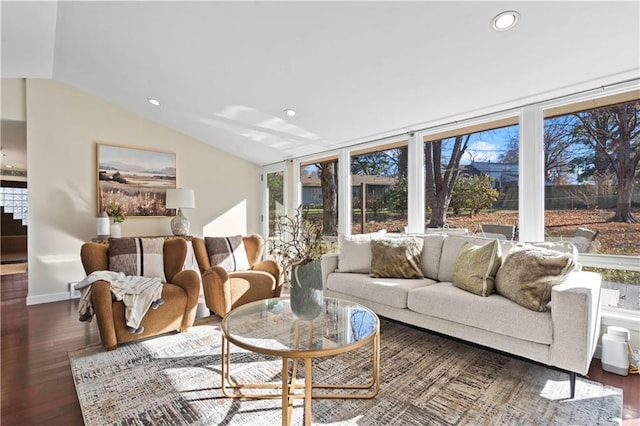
x=227 y=252
x=493 y=313
x=450 y=249
x=397 y=257
x=529 y=272
x=476 y=267
x=431 y=252
x=354 y=252
x=143 y=257
x=387 y=291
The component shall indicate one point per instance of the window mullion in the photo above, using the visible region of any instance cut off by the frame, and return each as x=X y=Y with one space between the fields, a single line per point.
x=415 y=185
x=296 y=196
x=531 y=177
x=344 y=192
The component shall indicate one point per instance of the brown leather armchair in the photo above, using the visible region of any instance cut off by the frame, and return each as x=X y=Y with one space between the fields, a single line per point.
x=224 y=290
x=180 y=294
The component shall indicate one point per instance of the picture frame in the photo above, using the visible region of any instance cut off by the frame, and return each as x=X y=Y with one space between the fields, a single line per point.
x=135 y=180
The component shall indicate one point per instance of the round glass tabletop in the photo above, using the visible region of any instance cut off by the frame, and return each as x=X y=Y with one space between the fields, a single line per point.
x=269 y=327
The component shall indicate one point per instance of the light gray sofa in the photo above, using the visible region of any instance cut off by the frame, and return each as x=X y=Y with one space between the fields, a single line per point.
x=564 y=336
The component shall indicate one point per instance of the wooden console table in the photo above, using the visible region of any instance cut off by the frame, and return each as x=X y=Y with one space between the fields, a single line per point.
x=105 y=240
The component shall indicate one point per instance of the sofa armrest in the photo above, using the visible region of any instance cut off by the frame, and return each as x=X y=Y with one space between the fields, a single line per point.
x=575 y=313
x=328 y=264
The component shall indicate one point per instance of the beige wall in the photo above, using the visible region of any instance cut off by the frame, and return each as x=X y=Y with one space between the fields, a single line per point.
x=63 y=126
x=13 y=99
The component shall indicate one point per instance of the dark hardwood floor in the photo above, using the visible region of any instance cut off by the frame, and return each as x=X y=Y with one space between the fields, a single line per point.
x=37 y=388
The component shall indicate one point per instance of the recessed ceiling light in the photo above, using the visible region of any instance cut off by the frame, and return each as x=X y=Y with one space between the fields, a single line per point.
x=153 y=101
x=505 y=20
x=289 y=112
x=9 y=166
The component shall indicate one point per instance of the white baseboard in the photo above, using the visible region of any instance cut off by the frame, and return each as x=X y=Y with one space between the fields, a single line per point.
x=47 y=298
x=73 y=293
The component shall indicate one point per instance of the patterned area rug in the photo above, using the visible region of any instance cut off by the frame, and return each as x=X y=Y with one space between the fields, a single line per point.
x=426 y=379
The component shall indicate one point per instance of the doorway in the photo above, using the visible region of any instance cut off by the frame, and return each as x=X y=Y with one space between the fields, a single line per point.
x=13 y=209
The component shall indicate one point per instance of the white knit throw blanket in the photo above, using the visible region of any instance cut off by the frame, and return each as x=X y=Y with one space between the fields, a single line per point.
x=137 y=294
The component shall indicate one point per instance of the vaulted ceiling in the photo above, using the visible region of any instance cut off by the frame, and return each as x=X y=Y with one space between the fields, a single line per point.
x=224 y=72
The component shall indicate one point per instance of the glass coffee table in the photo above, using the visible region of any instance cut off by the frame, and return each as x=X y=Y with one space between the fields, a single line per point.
x=269 y=327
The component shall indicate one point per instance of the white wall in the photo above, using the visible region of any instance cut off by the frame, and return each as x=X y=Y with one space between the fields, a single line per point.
x=63 y=126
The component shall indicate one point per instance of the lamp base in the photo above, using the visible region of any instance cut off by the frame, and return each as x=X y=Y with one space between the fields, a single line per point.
x=180 y=224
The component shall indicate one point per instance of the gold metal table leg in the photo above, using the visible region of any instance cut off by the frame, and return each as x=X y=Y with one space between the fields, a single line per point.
x=288 y=386
x=308 y=386
x=287 y=400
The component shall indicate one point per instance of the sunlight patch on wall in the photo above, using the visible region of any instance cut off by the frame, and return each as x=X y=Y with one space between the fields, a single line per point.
x=231 y=222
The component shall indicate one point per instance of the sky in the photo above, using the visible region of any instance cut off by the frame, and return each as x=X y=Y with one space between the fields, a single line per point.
x=489 y=145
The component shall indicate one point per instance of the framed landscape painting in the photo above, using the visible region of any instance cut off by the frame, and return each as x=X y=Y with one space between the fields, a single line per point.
x=134 y=179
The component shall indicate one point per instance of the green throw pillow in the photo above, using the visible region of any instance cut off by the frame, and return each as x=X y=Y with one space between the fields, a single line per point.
x=476 y=267
x=528 y=274
x=397 y=258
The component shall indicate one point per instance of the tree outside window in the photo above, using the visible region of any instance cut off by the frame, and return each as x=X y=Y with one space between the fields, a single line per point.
x=592 y=192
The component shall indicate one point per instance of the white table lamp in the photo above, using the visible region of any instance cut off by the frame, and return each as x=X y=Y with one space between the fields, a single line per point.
x=180 y=199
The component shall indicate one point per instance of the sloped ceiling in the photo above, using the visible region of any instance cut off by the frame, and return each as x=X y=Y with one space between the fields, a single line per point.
x=354 y=71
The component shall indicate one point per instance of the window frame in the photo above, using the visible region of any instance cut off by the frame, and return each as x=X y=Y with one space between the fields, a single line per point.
x=264 y=193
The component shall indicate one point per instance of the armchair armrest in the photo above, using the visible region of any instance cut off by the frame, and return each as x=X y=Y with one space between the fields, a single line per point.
x=103 y=308
x=190 y=282
x=328 y=264
x=272 y=267
x=217 y=289
x=575 y=313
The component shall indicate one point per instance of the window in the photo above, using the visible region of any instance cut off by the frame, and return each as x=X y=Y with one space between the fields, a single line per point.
x=379 y=190
x=592 y=188
x=14 y=201
x=319 y=182
x=316 y=196
x=471 y=177
x=275 y=189
x=568 y=189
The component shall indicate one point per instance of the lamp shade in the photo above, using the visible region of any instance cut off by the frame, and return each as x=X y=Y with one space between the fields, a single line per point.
x=181 y=199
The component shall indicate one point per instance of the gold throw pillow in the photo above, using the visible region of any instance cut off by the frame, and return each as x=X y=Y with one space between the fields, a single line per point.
x=397 y=258
x=476 y=267
x=528 y=274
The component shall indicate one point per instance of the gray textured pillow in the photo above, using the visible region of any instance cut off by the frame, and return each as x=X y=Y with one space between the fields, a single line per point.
x=528 y=274
x=476 y=267
x=227 y=252
x=397 y=258
x=142 y=257
x=431 y=253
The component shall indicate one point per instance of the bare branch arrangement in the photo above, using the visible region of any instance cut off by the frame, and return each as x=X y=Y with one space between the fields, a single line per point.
x=297 y=241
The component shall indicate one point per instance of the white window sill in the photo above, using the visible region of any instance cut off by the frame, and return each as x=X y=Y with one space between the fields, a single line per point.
x=621 y=318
